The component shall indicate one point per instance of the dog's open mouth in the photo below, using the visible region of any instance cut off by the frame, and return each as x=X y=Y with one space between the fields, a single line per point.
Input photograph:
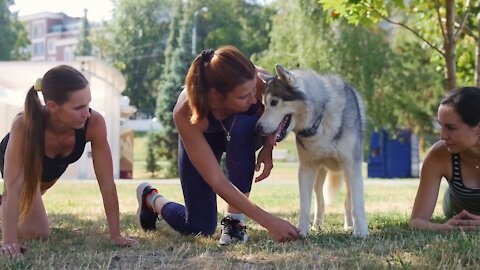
x=281 y=131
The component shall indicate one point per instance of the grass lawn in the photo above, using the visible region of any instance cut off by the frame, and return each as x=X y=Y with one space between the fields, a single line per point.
x=79 y=237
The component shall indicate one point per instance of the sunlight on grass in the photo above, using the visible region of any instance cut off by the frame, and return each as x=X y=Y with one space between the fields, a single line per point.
x=79 y=237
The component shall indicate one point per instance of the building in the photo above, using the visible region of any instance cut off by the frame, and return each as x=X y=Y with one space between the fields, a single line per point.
x=106 y=85
x=53 y=36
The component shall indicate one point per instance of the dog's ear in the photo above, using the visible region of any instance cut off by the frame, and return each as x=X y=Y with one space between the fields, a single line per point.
x=285 y=75
x=265 y=77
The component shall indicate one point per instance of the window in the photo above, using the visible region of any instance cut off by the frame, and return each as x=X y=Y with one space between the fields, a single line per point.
x=38 y=49
x=51 y=46
x=38 y=30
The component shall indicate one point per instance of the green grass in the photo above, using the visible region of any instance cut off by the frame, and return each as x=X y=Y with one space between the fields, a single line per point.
x=79 y=237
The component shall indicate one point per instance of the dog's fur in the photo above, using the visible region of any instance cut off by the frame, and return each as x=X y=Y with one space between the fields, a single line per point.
x=327 y=116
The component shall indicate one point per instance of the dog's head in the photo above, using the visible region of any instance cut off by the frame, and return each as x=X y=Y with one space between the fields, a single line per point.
x=281 y=93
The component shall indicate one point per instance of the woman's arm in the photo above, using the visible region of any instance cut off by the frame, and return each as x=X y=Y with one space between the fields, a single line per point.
x=205 y=162
x=434 y=167
x=13 y=184
x=102 y=163
x=265 y=154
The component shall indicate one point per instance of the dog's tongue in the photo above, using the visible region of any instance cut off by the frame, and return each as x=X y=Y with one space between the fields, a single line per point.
x=273 y=139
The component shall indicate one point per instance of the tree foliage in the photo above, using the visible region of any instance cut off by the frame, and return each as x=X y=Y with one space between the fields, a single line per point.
x=399 y=86
x=134 y=42
x=13 y=35
x=240 y=23
x=439 y=25
x=178 y=58
x=84 y=46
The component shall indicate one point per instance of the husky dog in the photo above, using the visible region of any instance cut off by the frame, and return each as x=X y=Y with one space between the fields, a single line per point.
x=327 y=116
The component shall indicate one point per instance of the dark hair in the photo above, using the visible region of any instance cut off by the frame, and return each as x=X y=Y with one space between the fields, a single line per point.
x=223 y=70
x=56 y=85
x=466 y=102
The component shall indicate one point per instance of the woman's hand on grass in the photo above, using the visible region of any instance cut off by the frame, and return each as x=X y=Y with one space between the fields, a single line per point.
x=282 y=231
x=464 y=221
x=125 y=241
x=12 y=250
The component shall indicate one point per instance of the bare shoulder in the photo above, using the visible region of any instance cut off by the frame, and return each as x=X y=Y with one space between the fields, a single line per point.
x=182 y=107
x=438 y=160
x=96 y=126
x=439 y=151
x=18 y=125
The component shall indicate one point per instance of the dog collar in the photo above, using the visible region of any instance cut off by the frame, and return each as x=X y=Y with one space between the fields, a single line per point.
x=313 y=129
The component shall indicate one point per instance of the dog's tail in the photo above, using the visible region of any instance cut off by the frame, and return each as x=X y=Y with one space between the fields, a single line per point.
x=332 y=186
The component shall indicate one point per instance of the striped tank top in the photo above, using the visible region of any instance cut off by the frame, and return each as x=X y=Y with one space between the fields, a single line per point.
x=462 y=197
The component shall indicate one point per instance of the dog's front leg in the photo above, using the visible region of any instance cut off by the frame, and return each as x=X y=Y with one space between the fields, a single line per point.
x=306 y=176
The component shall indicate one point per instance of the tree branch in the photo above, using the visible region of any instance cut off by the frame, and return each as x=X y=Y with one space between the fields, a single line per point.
x=462 y=24
x=467 y=31
x=406 y=27
x=439 y=17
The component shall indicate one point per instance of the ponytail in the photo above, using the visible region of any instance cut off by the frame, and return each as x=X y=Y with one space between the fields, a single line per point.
x=33 y=150
x=222 y=70
x=197 y=91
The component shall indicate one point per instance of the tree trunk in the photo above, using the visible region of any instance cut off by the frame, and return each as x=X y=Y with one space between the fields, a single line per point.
x=449 y=46
x=477 y=56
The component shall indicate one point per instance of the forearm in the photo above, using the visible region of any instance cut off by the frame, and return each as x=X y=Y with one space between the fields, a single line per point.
x=424 y=224
x=110 y=203
x=10 y=215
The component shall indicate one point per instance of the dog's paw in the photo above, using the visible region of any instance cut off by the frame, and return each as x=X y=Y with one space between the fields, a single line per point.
x=360 y=234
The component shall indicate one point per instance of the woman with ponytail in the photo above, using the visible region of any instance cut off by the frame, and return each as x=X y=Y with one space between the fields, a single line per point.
x=216 y=114
x=42 y=142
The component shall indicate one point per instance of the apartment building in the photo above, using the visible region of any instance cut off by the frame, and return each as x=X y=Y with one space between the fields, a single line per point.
x=53 y=36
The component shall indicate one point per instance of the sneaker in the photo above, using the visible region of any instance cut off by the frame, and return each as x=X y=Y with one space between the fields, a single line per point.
x=232 y=231
x=146 y=217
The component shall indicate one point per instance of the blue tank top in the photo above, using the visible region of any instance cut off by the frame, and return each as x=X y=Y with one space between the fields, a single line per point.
x=53 y=168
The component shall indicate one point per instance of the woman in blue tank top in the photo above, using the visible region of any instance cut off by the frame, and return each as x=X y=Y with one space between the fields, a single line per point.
x=42 y=142
x=216 y=114
x=456 y=157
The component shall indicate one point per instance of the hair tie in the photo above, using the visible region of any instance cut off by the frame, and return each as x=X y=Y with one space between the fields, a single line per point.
x=38 y=85
x=207 y=55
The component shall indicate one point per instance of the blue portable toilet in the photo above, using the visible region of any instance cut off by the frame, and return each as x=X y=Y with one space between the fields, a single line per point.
x=393 y=158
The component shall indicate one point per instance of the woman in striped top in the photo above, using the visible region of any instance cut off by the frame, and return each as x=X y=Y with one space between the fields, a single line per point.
x=456 y=157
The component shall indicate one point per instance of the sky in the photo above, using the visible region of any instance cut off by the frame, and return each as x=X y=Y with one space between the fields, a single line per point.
x=98 y=10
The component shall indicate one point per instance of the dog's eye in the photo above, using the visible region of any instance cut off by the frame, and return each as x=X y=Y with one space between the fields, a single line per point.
x=273 y=102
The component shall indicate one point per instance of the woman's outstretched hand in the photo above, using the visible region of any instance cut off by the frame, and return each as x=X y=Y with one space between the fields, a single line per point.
x=282 y=231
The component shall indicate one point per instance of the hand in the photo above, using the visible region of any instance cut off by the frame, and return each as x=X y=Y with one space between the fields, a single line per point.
x=464 y=221
x=265 y=157
x=125 y=241
x=13 y=249
x=282 y=231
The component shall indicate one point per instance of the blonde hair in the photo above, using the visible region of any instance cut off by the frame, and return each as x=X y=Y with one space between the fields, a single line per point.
x=222 y=69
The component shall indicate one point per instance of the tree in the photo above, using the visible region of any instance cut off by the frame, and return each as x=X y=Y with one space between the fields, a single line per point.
x=134 y=42
x=178 y=59
x=14 y=37
x=399 y=86
x=151 y=160
x=84 y=46
x=450 y=25
x=243 y=24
